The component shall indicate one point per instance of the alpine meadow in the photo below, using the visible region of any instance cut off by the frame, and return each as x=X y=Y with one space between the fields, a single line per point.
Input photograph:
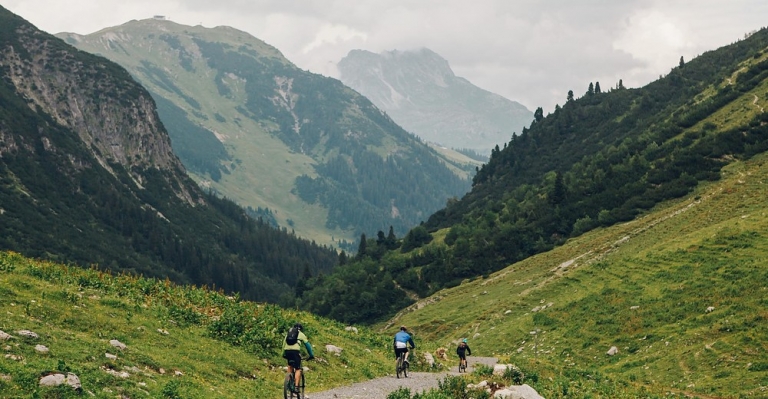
x=613 y=248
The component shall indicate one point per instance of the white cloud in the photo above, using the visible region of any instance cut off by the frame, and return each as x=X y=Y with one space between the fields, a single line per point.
x=333 y=34
x=531 y=51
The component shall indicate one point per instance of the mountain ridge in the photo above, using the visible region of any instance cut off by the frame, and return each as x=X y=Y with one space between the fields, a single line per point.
x=233 y=113
x=441 y=107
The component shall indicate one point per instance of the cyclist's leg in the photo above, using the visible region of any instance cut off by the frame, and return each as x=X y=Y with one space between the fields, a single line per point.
x=294 y=363
x=397 y=356
x=407 y=352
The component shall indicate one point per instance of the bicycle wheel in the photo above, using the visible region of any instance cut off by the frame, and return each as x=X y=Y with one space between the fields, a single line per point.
x=300 y=395
x=288 y=386
x=405 y=368
x=399 y=365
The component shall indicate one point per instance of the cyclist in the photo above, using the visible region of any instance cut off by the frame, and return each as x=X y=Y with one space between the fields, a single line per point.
x=402 y=340
x=292 y=352
x=463 y=350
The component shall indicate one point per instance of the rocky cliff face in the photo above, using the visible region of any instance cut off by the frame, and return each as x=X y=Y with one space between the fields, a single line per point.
x=112 y=114
x=420 y=92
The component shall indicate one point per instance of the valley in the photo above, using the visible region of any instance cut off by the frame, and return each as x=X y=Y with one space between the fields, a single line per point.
x=614 y=248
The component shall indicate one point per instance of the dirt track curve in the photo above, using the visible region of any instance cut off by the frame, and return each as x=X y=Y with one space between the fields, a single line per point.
x=379 y=388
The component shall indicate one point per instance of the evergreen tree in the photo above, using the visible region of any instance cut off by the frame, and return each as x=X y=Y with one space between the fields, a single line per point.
x=597 y=88
x=391 y=239
x=558 y=190
x=538 y=115
x=380 y=238
x=570 y=96
x=591 y=89
x=362 y=247
x=682 y=62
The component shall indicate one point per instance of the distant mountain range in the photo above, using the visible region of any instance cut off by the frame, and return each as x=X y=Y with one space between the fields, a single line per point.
x=420 y=92
x=297 y=148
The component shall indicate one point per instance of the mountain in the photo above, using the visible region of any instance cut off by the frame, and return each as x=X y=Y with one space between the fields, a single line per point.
x=296 y=147
x=420 y=92
x=87 y=176
x=679 y=292
x=602 y=159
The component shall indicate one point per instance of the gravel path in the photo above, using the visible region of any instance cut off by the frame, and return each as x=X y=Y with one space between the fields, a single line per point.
x=379 y=388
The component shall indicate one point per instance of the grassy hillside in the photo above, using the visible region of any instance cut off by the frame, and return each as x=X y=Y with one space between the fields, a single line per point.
x=599 y=160
x=181 y=342
x=681 y=292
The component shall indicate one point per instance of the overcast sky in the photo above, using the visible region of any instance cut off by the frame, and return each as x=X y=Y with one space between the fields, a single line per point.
x=528 y=51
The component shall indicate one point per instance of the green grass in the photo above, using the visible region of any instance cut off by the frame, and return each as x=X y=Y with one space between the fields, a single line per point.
x=644 y=287
x=215 y=345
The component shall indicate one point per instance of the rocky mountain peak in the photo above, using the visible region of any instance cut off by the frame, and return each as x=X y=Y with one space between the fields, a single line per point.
x=111 y=113
x=420 y=91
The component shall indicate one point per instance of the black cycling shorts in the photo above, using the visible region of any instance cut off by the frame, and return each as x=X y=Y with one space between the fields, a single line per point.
x=398 y=351
x=294 y=358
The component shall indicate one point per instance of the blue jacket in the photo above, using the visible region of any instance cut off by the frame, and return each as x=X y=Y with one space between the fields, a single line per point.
x=403 y=336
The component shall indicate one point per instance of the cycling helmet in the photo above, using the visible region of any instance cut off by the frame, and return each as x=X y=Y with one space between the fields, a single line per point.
x=464 y=340
x=402 y=328
x=299 y=326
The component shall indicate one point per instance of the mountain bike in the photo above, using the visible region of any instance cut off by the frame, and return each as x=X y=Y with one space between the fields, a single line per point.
x=402 y=366
x=289 y=385
x=462 y=365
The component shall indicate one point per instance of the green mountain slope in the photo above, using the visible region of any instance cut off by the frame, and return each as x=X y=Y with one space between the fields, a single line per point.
x=252 y=126
x=87 y=176
x=180 y=342
x=604 y=158
x=680 y=292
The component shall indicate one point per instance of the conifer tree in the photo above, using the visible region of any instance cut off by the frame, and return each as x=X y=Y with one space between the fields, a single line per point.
x=362 y=247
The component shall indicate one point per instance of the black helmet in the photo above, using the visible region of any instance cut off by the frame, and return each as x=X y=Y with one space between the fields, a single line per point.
x=299 y=326
x=402 y=328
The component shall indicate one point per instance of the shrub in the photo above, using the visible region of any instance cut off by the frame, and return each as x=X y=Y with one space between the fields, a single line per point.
x=515 y=375
x=483 y=370
x=453 y=386
x=401 y=393
x=171 y=390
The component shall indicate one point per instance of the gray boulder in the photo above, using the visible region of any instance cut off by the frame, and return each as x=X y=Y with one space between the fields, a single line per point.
x=518 y=392
x=53 y=380
x=117 y=344
x=27 y=334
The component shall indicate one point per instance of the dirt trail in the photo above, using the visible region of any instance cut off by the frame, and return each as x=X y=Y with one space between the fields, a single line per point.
x=379 y=388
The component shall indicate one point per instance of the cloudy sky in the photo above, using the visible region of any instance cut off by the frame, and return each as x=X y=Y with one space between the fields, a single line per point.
x=529 y=51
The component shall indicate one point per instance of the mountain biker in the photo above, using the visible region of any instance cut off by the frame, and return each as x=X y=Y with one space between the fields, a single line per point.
x=292 y=353
x=401 y=342
x=463 y=350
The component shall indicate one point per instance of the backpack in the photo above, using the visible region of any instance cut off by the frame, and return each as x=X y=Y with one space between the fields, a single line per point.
x=293 y=336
